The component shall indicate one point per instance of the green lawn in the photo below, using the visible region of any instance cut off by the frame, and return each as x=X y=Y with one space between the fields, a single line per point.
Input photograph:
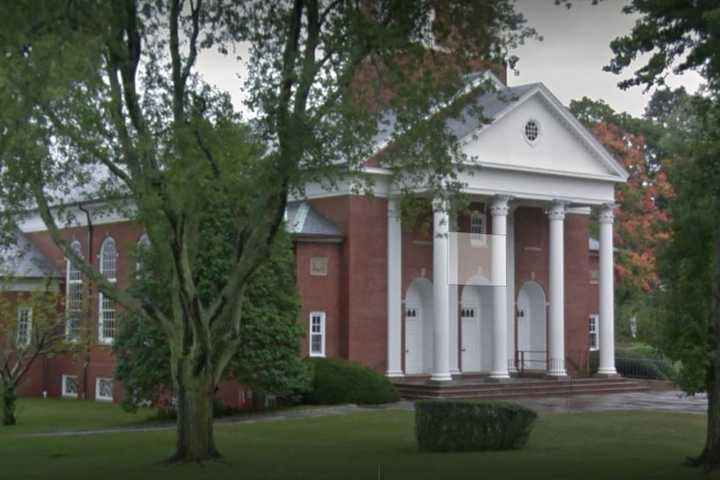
x=371 y=445
x=54 y=414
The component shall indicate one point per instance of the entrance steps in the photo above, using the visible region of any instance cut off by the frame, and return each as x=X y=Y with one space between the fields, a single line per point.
x=417 y=388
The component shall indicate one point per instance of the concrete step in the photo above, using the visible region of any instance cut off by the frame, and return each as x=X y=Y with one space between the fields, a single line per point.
x=519 y=390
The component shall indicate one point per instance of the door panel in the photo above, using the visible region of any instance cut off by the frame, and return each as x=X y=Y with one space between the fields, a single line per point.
x=470 y=343
x=413 y=340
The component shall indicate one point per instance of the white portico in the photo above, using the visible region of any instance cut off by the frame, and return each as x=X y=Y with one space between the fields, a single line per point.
x=533 y=154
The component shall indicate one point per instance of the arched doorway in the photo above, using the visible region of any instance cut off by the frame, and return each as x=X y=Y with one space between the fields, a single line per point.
x=476 y=329
x=531 y=327
x=419 y=327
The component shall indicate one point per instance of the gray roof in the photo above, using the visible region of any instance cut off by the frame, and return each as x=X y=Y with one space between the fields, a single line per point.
x=23 y=260
x=304 y=220
x=490 y=104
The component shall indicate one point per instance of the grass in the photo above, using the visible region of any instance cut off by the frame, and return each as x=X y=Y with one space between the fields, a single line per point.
x=371 y=445
x=55 y=414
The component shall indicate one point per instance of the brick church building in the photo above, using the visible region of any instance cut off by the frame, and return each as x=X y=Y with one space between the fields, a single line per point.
x=516 y=284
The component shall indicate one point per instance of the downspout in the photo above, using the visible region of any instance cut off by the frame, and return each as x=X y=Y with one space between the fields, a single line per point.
x=90 y=238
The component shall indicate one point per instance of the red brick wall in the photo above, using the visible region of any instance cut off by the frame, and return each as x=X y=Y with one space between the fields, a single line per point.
x=320 y=293
x=532 y=263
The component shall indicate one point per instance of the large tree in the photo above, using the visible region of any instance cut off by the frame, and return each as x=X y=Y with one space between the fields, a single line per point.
x=103 y=99
x=642 y=223
x=677 y=36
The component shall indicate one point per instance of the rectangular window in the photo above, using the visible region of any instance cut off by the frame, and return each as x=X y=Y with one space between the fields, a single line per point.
x=24 y=326
x=594 y=277
x=104 y=389
x=477 y=223
x=70 y=386
x=74 y=300
x=107 y=319
x=317 y=334
x=593 y=332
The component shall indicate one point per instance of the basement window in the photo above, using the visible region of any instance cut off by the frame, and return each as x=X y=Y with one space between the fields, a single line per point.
x=104 y=389
x=70 y=386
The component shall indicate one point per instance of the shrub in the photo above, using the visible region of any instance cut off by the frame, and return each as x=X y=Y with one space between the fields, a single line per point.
x=457 y=426
x=337 y=381
x=637 y=363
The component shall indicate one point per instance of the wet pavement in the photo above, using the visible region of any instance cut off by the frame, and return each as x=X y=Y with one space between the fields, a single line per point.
x=667 y=400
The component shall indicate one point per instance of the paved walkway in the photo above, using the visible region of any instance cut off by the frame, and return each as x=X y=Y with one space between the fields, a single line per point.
x=668 y=400
x=665 y=400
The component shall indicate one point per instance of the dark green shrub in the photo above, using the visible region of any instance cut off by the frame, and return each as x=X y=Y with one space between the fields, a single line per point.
x=457 y=426
x=337 y=381
x=637 y=363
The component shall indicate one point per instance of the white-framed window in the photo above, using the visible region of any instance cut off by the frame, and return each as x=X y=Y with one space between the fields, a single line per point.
x=531 y=131
x=477 y=223
x=317 y=334
x=24 y=326
x=108 y=267
x=104 y=389
x=142 y=245
x=70 y=386
x=593 y=332
x=73 y=295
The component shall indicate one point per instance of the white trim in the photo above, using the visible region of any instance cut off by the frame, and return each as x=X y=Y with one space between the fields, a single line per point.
x=596 y=331
x=64 y=392
x=76 y=246
x=321 y=333
x=111 y=309
x=21 y=309
x=99 y=397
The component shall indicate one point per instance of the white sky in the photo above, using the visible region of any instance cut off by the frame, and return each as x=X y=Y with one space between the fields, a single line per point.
x=576 y=43
x=568 y=61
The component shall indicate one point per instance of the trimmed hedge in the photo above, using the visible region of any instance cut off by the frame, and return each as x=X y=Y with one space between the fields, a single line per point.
x=337 y=381
x=457 y=426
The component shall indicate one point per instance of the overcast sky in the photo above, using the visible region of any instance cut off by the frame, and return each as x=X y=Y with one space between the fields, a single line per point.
x=576 y=42
x=569 y=60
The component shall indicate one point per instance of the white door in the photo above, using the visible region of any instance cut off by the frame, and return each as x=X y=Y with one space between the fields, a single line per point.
x=470 y=343
x=413 y=340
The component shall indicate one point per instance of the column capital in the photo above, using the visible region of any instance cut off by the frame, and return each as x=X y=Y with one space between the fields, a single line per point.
x=440 y=204
x=607 y=214
x=499 y=206
x=557 y=211
x=393 y=207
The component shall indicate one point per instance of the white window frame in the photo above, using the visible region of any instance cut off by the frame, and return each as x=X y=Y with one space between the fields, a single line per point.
x=99 y=397
x=321 y=333
x=478 y=239
x=64 y=392
x=21 y=310
x=69 y=282
x=593 y=329
x=102 y=309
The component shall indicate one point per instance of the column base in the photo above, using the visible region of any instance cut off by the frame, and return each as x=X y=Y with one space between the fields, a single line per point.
x=440 y=377
x=606 y=372
x=556 y=374
x=499 y=375
x=455 y=373
x=394 y=374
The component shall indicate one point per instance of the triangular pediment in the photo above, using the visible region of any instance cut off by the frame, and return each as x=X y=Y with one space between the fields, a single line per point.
x=562 y=146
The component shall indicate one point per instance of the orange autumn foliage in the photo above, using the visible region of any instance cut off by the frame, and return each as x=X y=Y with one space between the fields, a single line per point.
x=642 y=224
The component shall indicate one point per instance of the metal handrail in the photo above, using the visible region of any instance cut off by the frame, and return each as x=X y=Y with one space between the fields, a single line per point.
x=524 y=357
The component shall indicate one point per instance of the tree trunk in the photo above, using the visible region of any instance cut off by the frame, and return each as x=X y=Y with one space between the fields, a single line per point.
x=8 y=397
x=195 y=394
x=709 y=458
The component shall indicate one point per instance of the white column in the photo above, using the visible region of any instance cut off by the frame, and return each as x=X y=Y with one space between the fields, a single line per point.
x=556 y=360
x=511 y=293
x=394 y=290
x=498 y=251
x=441 y=293
x=607 y=301
x=454 y=331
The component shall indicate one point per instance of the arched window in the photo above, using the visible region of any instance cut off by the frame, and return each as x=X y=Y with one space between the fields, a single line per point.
x=142 y=245
x=108 y=268
x=73 y=294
